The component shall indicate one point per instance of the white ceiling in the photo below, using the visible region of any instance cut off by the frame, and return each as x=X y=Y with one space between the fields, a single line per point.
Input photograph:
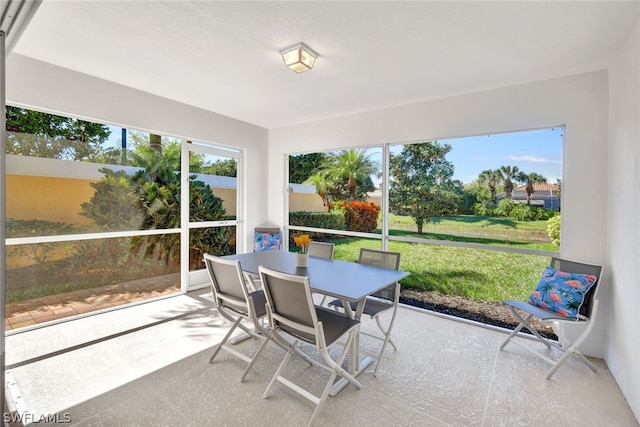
x=223 y=56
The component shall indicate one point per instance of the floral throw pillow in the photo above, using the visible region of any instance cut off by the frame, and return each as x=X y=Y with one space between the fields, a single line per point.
x=266 y=241
x=561 y=292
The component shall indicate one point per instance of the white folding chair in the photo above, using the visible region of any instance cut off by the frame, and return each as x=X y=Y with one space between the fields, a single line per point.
x=581 y=300
x=291 y=313
x=235 y=303
x=383 y=300
x=321 y=250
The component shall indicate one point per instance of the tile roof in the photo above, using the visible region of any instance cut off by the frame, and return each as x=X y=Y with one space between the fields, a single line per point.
x=539 y=186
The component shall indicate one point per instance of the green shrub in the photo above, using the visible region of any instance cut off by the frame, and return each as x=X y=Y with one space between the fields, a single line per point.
x=332 y=220
x=36 y=227
x=481 y=209
x=504 y=208
x=521 y=212
x=115 y=204
x=329 y=220
x=508 y=208
x=542 y=213
x=149 y=200
x=37 y=252
x=553 y=228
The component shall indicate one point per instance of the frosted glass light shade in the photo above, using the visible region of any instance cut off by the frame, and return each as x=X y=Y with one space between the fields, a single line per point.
x=299 y=58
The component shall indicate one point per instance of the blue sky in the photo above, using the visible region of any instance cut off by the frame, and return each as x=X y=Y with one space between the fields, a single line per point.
x=537 y=151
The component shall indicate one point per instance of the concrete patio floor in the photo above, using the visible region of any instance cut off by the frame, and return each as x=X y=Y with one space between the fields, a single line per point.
x=147 y=365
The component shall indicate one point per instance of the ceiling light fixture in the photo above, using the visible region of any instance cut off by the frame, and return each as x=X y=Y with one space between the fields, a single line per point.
x=299 y=58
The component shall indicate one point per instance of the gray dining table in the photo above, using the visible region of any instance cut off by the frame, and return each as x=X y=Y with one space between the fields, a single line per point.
x=348 y=281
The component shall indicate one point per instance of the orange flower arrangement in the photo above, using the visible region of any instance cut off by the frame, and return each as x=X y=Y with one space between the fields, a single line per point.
x=302 y=242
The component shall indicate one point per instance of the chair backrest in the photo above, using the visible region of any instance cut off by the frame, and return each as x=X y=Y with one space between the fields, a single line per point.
x=289 y=303
x=266 y=239
x=321 y=250
x=227 y=284
x=581 y=268
x=382 y=259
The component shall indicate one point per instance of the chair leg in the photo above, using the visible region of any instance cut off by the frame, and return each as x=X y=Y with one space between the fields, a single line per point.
x=286 y=346
x=386 y=340
x=336 y=365
x=323 y=398
x=264 y=342
x=379 y=362
x=573 y=349
x=331 y=365
x=303 y=356
x=563 y=344
x=386 y=332
x=250 y=334
x=243 y=337
x=224 y=340
x=557 y=365
x=336 y=369
x=277 y=374
x=585 y=360
x=524 y=323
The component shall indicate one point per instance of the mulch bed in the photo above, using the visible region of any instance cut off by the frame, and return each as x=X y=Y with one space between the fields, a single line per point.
x=490 y=313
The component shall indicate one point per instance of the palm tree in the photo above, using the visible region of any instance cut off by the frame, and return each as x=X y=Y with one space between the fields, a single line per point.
x=492 y=179
x=352 y=166
x=322 y=183
x=509 y=175
x=530 y=179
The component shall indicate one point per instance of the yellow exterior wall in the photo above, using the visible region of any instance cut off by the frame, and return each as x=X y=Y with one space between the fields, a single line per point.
x=376 y=200
x=60 y=199
x=228 y=196
x=46 y=198
x=308 y=202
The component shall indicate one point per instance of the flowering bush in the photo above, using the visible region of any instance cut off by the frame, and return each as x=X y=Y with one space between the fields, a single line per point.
x=360 y=216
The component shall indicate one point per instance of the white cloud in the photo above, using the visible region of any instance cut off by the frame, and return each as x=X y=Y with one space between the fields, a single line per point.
x=534 y=159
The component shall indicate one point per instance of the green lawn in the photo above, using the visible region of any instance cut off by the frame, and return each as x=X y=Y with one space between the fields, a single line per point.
x=478 y=229
x=481 y=275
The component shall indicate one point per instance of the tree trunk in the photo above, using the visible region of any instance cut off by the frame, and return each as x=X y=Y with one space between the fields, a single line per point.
x=155 y=142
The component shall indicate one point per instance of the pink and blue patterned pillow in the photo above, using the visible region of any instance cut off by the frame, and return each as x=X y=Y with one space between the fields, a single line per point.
x=266 y=241
x=561 y=292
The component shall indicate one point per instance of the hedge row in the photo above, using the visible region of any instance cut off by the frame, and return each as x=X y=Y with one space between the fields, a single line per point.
x=352 y=216
x=518 y=211
x=331 y=220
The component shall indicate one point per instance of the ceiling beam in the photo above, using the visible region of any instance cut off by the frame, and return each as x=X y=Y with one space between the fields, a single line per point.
x=14 y=18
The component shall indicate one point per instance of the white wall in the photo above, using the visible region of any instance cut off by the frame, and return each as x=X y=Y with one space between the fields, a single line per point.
x=45 y=87
x=623 y=345
x=580 y=102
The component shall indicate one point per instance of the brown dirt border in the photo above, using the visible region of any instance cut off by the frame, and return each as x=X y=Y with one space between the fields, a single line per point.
x=485 y=312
